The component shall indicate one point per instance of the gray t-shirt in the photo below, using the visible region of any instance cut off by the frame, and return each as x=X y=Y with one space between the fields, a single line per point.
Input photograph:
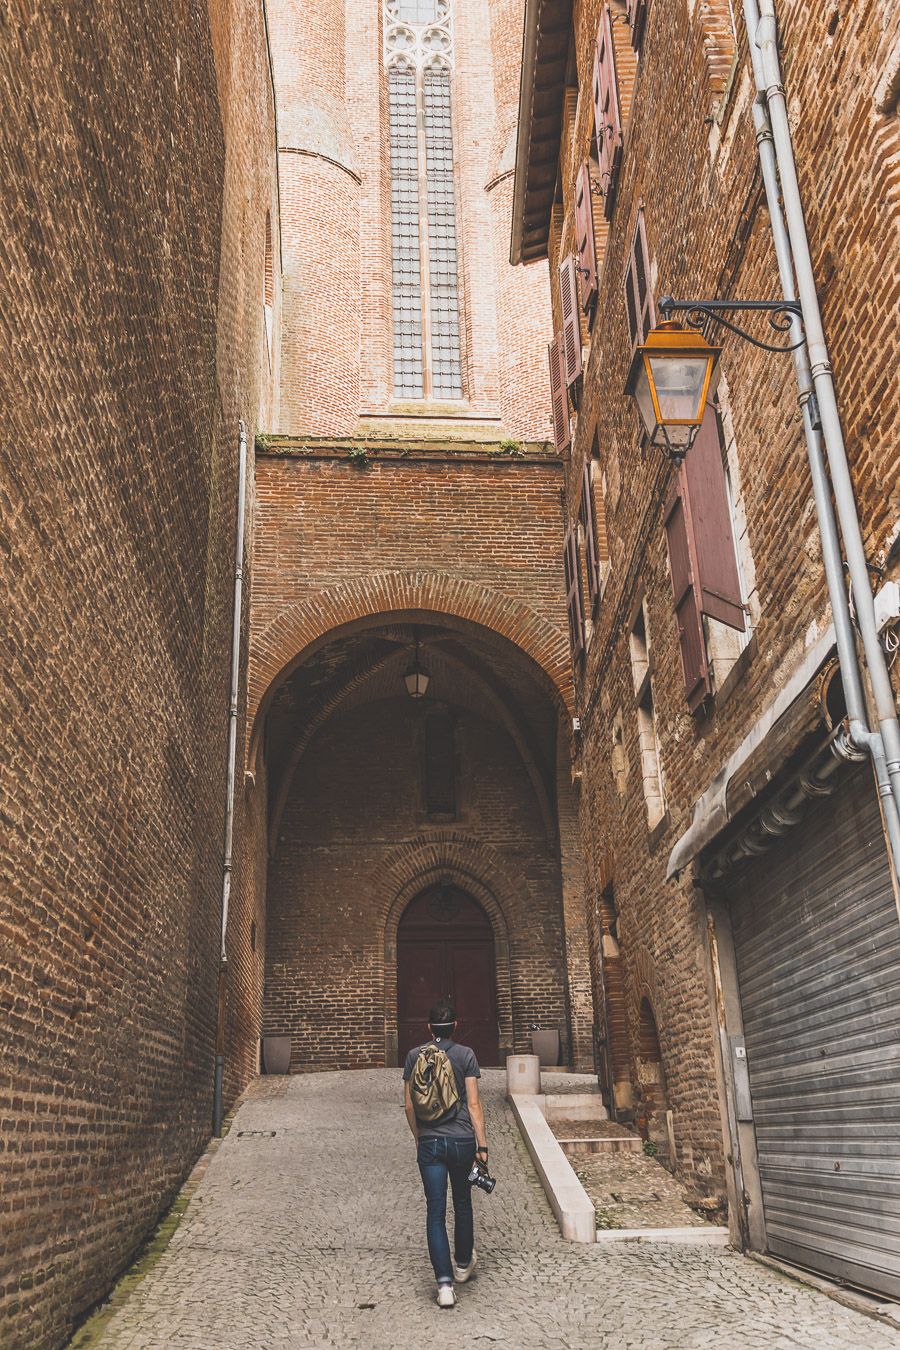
x=465 y=1065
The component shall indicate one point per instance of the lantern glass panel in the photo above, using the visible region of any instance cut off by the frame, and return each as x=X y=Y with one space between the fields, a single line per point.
x=644 y=399
x=680 y=383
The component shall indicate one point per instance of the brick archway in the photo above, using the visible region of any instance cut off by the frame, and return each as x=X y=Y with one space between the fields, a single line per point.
x=300 y=628
x=474 y=867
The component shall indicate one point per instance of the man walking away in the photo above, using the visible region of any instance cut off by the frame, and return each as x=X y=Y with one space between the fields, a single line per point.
x=447 y=1147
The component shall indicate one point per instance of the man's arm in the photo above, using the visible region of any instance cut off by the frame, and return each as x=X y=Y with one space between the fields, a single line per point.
x=410 y=1113
x=476 y=1111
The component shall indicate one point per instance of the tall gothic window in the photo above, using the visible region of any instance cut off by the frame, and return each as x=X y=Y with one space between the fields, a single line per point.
x=419 y=53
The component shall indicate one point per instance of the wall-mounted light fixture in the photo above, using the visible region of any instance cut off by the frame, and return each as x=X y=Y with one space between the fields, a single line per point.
x=417 y=678
x=674 y=373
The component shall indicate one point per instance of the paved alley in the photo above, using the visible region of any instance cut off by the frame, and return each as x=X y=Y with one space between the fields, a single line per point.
x=307 y=1232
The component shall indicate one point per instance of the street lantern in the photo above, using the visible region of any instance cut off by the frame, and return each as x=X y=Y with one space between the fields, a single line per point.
x=417 y=678
x=671 y=377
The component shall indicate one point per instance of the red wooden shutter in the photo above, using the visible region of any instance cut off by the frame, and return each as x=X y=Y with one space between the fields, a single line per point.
x=637 y=15
x=607 y=116
x=709 y=519
x=687 y=611
x=584 y=237
x=571 y=333
x=590 y=534
x=559 y=401
x=574 y=604
x=638 y=293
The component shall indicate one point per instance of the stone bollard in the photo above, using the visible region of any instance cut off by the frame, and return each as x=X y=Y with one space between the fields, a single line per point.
x=523 y=1074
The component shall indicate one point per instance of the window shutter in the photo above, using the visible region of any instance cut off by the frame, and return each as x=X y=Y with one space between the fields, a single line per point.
x=637 y=15
x=574 y=605
x=571 y=333
x=607 y=116
x=559 y=401
x=687 y=611
x=638 y=295
x=590 y=534
x=709 y=519
x=584 y=237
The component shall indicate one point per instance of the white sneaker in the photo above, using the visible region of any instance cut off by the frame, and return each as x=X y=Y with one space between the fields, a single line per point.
x=445 y=1296
x=463 y=1273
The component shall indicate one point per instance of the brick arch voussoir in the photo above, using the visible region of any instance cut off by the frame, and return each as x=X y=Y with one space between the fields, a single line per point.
x=280 y=646
x=473 y=866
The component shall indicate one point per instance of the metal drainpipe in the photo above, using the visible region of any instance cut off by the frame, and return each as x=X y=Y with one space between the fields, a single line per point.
x=860 y=733
x=765 y=37
x=228 y=847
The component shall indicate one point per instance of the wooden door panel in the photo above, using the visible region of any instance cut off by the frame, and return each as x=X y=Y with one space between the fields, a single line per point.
x=421 y=980
x=471 y=971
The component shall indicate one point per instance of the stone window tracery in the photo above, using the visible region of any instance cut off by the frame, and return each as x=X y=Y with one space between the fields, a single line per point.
x=418 y=54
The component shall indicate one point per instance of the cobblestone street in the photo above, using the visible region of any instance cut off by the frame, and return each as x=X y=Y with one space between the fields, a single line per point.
x=307 y=1231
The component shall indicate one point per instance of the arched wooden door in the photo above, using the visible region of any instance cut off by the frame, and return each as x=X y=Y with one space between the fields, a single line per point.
x=445 y=949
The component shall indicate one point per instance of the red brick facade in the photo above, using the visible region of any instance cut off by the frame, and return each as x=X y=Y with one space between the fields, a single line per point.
x=138 y=171
x=689 y=164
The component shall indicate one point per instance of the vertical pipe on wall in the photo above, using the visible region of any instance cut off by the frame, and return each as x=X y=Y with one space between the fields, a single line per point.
x=228 y=844
x=815 y=382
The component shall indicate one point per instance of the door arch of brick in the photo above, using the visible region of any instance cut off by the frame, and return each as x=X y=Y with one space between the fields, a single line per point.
x=473 y=867
x=299 y=629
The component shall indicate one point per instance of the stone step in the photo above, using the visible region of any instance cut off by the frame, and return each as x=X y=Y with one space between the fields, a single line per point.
x=607 y=1144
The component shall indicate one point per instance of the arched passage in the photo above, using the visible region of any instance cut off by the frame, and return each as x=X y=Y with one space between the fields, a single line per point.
x=358 y=827
x=445 y=949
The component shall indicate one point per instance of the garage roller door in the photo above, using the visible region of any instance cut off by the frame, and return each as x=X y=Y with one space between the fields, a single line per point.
x=817 y=942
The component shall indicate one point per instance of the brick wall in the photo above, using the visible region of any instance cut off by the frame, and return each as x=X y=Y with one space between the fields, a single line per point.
x=138 y=149
x=693 y=170
x=336 y=213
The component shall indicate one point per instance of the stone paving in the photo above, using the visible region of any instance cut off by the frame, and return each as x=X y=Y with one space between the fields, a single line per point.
x=307 y=1232
x=630 y=1190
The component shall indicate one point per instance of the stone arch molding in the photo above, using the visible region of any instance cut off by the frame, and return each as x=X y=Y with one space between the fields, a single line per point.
x=473 y=866
x=299 y=628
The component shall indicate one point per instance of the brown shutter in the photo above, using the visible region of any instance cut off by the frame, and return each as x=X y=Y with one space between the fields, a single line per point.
x=584 y=237
x=607 y=116
x=687 y=611
x=571 y=333
x=574 y=605
x=590 y=534
x=559 y=401
x=709 y=519
x=637 y=15
x=638 y=294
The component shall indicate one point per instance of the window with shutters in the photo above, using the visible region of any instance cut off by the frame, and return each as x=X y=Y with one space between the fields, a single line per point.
x=559 y=398
x=570 y=334
x=592 y=517
x=586 y=240
x=425 y=263
x=607 y=112
x=639 y=307
x=637 y=18
x=648 y=740
x=440 y=764
x=574 y=598
x=707 y=586
x=725 y=642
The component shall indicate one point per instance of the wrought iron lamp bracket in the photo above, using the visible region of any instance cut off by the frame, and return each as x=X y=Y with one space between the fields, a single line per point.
x=697 y=313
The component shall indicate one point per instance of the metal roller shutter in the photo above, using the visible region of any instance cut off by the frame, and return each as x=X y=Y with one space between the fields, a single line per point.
x=817 y=942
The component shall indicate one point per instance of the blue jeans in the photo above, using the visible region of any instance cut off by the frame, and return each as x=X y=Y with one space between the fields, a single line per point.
x=438 y=1159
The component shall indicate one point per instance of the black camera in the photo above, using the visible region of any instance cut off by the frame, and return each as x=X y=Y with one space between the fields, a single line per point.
x=481 y=1177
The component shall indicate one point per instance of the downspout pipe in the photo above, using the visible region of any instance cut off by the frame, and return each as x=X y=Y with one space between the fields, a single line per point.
x=860 y=734
x=764 y=37
x=228 y=845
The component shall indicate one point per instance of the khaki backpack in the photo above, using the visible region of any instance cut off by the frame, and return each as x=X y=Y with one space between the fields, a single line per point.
x=433 y=1086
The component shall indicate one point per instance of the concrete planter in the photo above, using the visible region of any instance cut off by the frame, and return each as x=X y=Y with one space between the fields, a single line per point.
x=545 y=1045
x=276 y=1054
